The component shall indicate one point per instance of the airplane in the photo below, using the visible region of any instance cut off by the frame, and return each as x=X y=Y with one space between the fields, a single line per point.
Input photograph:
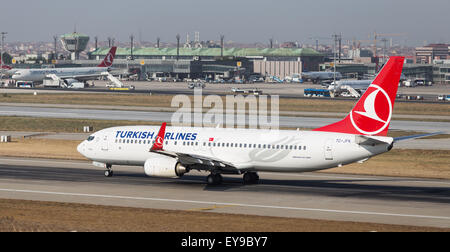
x=74 y=74
x=353 y=87
x=171 y=152
x=317 y=77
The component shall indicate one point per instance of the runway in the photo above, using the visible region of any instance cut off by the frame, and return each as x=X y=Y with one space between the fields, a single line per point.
x=389 y=200
x=153 y=116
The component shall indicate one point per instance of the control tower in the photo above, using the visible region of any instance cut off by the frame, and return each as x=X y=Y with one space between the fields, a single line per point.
x=74 y=43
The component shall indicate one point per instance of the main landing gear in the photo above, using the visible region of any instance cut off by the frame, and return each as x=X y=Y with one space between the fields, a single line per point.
x=217 y=179
x=214 y=179
x=109 y=172
x=251 y=178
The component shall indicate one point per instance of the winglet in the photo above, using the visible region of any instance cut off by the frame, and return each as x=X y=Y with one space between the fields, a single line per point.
x=158 y=145
x=109 y=58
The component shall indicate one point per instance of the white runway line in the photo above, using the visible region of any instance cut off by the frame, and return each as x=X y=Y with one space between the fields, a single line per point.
x=227 y=204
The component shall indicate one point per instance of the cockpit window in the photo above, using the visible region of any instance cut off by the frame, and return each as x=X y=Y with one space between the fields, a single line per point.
x=90 y=138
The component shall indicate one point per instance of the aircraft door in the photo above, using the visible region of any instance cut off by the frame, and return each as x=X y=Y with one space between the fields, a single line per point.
x=328 y=149
x=104 y=143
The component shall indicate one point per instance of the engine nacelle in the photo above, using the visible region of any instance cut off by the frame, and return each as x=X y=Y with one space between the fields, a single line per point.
x=70 y=81
x=163 y=166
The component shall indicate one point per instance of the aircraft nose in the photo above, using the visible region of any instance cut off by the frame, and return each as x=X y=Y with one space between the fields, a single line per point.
x=81 y=148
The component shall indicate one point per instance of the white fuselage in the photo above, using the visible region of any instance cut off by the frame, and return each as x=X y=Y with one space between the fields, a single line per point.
x=246 y=149
x=38 y=75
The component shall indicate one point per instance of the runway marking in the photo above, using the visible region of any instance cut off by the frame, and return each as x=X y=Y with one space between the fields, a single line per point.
x=228 y=204
x=317 y=175
x=208 y=208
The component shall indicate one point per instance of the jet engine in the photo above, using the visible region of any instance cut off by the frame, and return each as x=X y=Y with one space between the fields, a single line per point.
x=70 y=81
x=163 y=166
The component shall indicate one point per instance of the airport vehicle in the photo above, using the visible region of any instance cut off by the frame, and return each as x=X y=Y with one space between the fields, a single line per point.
x=193 y=85
x=25 y=84
x=317 y=77
x=352 y=88
x=294 y=78
x=174 y=151
x=254 y=91
x=443 y=98
x=315 y=92
x=67 y=75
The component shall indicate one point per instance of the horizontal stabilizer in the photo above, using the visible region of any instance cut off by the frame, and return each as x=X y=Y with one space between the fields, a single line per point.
x=396 y=139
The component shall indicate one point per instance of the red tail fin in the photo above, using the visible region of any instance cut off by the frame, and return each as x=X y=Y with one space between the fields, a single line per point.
x=159 y=141
x=372 y=114
x=6 y=67
x=109 y=58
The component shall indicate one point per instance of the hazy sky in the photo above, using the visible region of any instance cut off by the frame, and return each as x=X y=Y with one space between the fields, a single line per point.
x=239 y=20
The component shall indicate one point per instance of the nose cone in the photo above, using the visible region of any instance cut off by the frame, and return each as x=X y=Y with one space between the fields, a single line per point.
x=81 y=148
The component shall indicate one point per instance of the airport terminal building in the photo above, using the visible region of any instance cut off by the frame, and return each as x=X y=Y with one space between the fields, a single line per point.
x=212 y=62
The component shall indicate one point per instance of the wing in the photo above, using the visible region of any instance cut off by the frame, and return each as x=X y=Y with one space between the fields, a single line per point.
x=197 y=162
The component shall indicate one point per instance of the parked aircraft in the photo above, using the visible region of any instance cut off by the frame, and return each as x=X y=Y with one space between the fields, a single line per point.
x=317 y=77
x=72 y=74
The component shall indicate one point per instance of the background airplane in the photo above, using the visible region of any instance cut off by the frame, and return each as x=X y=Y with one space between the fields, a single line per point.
x=317 y=77
x=67 y=75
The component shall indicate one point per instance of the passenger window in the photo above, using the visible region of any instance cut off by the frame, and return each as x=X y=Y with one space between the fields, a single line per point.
x=90 y=138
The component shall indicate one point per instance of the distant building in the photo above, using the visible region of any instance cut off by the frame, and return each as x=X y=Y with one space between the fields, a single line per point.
x=360 y=55
x=441 y=71
x=74 y=43
x=426 y=54
x=198 y=62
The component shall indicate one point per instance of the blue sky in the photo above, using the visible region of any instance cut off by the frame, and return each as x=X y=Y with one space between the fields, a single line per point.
x=239 y=20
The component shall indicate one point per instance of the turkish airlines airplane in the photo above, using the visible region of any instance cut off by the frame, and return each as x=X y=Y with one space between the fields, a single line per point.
x=68 y=74
x=173 y=151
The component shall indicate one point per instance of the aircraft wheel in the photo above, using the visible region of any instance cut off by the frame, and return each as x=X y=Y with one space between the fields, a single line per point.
x=251 y=178
x=214 y=179
x=109 y=173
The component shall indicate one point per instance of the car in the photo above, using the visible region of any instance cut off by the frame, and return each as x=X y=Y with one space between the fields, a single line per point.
x=193 y=85
x=238 y=90
x=443 y=98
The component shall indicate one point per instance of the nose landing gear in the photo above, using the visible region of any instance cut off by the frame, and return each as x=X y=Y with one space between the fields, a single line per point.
x=109 y=172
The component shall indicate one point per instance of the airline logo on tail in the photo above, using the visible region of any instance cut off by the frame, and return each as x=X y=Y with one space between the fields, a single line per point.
x=109 y=58
x=372 y=113
x=375 y=114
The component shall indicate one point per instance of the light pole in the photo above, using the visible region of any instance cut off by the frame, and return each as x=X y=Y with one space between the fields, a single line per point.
x=178 y=46
x=1 y=53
